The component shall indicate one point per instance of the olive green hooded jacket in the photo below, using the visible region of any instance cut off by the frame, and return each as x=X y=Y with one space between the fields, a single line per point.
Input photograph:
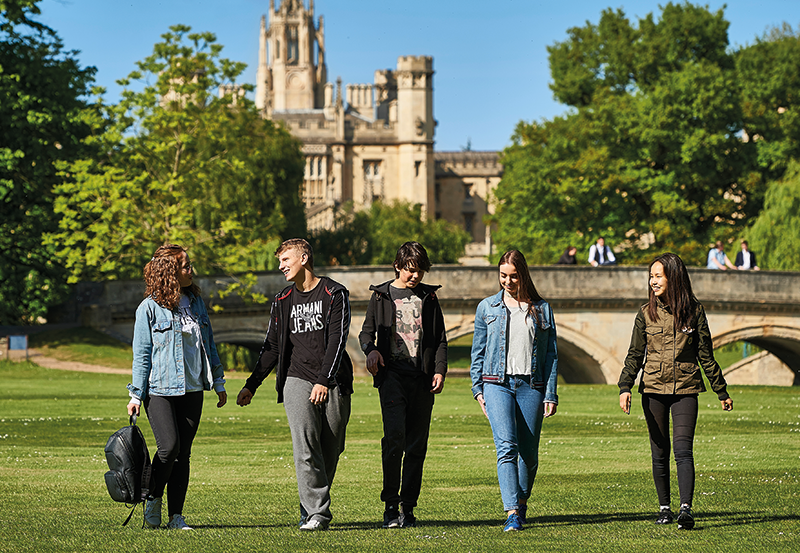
x=669 y=357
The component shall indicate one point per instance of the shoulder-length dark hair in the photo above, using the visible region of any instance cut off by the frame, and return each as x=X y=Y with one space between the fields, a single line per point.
x=679 y=297
x=161 y=277
x=527 y=291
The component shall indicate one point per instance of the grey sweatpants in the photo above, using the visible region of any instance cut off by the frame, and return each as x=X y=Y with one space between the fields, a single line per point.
x=318 y=433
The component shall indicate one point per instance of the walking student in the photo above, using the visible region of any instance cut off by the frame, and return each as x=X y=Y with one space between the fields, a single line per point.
x=514 y=370
x=174 y=361
x=308 y=326
x=670 y=337
x=408 y=364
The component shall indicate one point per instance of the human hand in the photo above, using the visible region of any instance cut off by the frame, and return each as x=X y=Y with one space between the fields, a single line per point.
x=244 y=397
x=438 y=384
x=374 y=362
x=625 y=402
x=133 y=409
x=550 y=409
x=319 y=393
x=482 y=403
x=223 y=398
x=727 y=405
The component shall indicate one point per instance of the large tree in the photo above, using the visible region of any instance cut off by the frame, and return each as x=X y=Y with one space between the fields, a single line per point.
x=371 y=237
x=42 y=91
x=649 y=156
x=186 y=158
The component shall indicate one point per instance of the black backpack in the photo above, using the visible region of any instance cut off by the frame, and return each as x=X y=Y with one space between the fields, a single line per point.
x=128 y=481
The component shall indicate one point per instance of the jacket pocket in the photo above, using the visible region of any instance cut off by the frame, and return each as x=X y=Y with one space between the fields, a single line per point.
x=489 y=319
x=687 y=368
x=162 y=333
x=652 y=367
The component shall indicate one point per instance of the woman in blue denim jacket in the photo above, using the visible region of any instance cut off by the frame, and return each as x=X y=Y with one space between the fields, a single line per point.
x=514 y=370
x=174 y=361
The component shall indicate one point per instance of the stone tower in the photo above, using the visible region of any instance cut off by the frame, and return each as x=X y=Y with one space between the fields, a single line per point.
x=291 y=59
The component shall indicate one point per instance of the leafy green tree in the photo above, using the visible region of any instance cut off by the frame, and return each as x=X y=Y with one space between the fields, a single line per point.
x=649 y=156
x=774 y=235
x=371 y=237
x=183 y=161
x=42 y=91
x=770 y=78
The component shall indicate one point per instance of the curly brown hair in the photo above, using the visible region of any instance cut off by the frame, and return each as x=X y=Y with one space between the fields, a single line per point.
x=161 y=277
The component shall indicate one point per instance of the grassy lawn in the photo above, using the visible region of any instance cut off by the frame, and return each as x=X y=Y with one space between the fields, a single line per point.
x=84 y=345
x=594 y=491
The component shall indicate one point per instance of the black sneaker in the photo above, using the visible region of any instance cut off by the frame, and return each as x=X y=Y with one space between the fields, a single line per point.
x=408 y=520
x=664 y=517
x=685 y=518
x=391 y=517
x=522 y=513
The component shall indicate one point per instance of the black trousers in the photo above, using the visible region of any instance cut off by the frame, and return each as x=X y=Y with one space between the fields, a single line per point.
x=174 y=420
x=406 y=406
x=657 y=409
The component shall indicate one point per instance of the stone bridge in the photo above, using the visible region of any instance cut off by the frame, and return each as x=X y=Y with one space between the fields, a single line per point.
x=594 y=309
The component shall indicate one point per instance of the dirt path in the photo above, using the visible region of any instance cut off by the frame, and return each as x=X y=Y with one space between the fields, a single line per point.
x=36 y=356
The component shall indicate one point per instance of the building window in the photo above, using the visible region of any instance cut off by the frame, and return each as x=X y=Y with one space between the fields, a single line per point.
x=417 y=165
x=373 y=181
x=468 y=191
x=292 y=56
x=469 y=219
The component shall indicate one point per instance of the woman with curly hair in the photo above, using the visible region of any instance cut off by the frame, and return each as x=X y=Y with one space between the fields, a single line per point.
x=174 y=361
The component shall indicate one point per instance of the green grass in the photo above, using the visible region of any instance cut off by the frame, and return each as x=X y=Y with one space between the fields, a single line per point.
x=84 y=345
x=594 y=491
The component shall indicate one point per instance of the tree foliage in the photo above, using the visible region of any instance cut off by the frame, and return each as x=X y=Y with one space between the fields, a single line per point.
x=180 y=162
x=42 y=91
x=371 y=237
x=649 y=156
x=774 y=235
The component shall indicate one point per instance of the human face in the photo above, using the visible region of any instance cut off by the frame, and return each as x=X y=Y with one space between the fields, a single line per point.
x=509 y=279
x=408 y=277
x=185 y=269
x=658 y=282
x=744 y=247
x=291 y=263
x=601 y=242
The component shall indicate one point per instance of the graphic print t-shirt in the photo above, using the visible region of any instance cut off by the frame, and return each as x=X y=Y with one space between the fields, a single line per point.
x=406 y=330
x=192 y=346
x=307 y=332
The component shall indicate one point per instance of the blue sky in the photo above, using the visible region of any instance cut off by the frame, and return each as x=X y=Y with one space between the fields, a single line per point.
x=490 y=57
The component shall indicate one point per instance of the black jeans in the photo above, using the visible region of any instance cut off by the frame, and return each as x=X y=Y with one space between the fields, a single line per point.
x=406 y=406
x=174 y=421
x=657 y=409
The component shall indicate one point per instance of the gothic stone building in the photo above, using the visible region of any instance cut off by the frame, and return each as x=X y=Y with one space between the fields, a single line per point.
x=376 y=142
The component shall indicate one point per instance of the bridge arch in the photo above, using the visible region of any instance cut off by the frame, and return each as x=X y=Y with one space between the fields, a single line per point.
x=781 y=341
x=249 y=338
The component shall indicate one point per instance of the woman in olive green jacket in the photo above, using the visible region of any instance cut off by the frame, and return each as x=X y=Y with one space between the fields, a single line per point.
x=670 y=336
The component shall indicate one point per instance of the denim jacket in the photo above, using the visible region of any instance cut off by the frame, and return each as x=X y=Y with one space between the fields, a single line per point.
x=158 y=367
x=489 y=347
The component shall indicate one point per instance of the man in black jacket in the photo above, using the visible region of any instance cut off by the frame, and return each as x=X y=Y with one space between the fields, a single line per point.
x=408 y=365
x=308 y=328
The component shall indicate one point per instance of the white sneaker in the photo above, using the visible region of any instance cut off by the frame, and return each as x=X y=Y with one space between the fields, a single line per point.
x=178 y=523
x=152 y=512
x=313 y=525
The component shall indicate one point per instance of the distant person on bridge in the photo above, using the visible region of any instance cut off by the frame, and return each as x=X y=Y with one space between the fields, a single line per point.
x=308 y=326
x=174 y=360
x=600 y=254
x=745 y=259
x=670 y=337
x=717 y=259
x=568 y=257
x=408 y=366
x=514 y=370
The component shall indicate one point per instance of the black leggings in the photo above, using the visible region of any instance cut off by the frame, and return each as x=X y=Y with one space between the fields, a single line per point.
x=657 y=409
x=174 y=421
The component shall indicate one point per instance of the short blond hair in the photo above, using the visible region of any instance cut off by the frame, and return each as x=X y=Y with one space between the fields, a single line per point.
x=299 y=244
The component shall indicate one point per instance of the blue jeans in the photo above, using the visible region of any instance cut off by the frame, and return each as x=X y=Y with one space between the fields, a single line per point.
x=515 y=412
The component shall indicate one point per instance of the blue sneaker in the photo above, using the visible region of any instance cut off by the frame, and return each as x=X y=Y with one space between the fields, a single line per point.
x=152 y=512
x=513 y=523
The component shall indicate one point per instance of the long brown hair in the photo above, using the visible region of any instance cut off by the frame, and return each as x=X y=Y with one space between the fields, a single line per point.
x=161 y=277
x=679 y=297
x=527 y=291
